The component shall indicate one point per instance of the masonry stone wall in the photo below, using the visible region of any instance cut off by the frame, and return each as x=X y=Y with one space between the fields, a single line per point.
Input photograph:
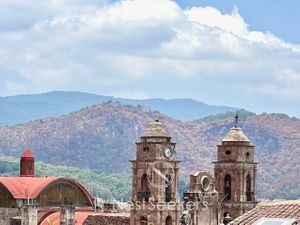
x=6 y=214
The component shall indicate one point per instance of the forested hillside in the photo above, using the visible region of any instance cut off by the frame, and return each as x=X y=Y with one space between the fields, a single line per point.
x=102 y=137
x=100 y=184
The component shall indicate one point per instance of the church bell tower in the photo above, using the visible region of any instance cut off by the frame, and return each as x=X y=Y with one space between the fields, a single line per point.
x=155 y=198
x=235 y=173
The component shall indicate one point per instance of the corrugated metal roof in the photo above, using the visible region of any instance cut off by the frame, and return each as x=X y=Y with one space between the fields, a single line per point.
x=31 y=187
x=26 y=187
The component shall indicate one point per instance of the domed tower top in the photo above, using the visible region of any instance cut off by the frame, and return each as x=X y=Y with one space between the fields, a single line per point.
x=155 y=129
x=27 y=164
x=236 y=134
x=155 y=143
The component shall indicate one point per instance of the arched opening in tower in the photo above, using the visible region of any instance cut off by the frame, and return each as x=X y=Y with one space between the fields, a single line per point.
x=248 y=188
x=227 y=187
x=169 y=220
x=144 y=220
x=144 y=193
x=168 y=188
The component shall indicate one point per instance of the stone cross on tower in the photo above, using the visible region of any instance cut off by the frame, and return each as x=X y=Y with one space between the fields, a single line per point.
x=237 y=119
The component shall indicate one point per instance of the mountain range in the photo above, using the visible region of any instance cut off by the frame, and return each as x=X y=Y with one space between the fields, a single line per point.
x=23 y=108
x=103 y=136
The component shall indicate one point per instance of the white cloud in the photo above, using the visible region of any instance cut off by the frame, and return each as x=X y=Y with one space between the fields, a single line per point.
x=211 y=17
x=148 y=48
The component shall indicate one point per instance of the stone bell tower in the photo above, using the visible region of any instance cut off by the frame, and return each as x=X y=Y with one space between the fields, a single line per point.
x=235 y=174
x=155 y=198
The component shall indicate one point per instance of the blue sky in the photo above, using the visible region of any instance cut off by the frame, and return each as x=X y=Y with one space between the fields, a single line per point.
x=237 y=53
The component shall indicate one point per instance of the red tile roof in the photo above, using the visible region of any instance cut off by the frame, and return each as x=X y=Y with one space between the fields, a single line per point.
x=80 y=217
x=27 y=154
x=279 y=209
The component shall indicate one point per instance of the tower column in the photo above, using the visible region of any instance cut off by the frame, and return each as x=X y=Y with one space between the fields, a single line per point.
x=67 y=215
x=29 y=214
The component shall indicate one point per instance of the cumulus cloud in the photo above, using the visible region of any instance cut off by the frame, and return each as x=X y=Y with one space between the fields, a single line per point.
x=146 y=48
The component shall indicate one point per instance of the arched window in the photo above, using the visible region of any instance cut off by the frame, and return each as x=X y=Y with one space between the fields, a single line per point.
x=144 y=220
x=144 y=193
x=169 y=220
x=227 y=187
x=248 y=188
x=168 y=188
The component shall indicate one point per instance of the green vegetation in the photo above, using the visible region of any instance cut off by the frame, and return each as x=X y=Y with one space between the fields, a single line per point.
x=100 y=184
x=104 y=185
x=222 y=116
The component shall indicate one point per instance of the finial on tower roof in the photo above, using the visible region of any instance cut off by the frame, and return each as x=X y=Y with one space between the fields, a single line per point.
x=237 y=118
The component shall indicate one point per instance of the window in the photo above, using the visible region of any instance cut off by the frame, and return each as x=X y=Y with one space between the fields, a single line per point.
x=29 y=165
x=248 y=155
x=228 y=152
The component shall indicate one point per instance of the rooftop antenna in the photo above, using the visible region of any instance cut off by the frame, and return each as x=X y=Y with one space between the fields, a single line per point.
x=237 y=119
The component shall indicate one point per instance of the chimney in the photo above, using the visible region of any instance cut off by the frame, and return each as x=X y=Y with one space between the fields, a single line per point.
x=29 y=214
x=67 y=215
x=27 y=164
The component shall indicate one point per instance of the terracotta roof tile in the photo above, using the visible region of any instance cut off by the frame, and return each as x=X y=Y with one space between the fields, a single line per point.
x=31 y=187
x=280 y=209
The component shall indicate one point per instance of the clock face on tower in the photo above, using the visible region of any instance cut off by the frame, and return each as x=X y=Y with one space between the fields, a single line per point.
x=167 y=152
